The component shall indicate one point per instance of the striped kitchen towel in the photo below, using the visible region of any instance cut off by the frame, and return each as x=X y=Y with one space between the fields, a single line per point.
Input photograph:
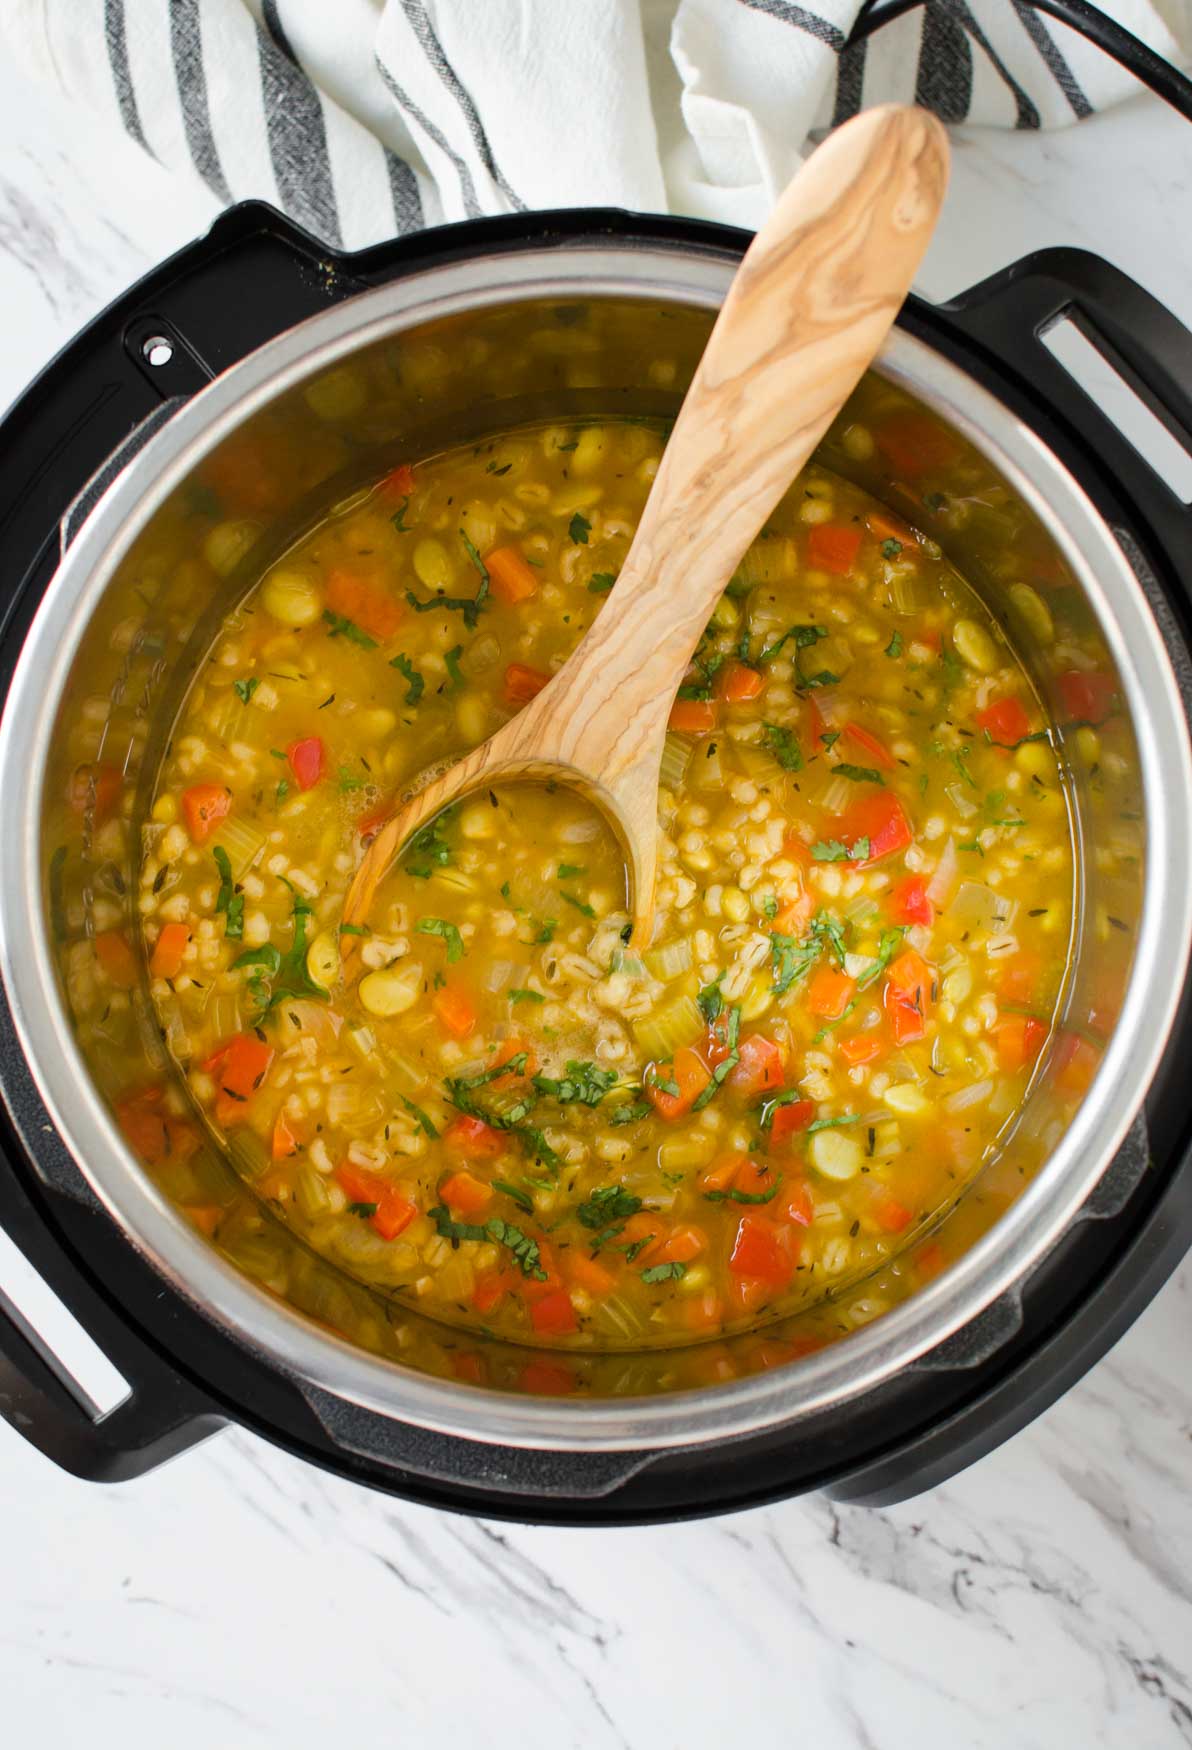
x=362 y=118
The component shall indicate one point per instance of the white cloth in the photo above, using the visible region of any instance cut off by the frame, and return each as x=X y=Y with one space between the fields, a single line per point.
x=362 y=118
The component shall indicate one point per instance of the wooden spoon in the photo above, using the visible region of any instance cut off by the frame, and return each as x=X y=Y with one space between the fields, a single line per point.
x=811 y=304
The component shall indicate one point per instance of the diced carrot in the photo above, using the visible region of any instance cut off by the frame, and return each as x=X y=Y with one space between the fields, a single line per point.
x=554 y=1315
x=930 y=1260
x=861 y=1048
x=115 y=955
x=833 y=547
x=1019 y=1040
x=307 y=760
x=511 y=575
x=153 y=1133
x=930 y=637
x=829 y=992
x=645 y=1230
x=760 y=1067
x=365 y=602
x=244 y=1066
x=754 y=1178
x=884 y=527
x=693 y=716
x=96 y=790
x=204 y=806
x=907 y=996
x=747 y=1294
x=399 y=482
x=587 y=1273
x=891 y=1216
x=506 y=1051
x=688 y=1072
x=473 y=1138
x=168 y=951
x=547 y=1379
x=792 y=918
x=704 y=1311
x=1087 y=696
x=1005 y=722
x=790 y=1121
x=393 y=1212
x=490 y=1289
x=794 y=1202
x=869 y=744
x=465 y=1195
x=285 y=1139
x=203 y=1216
x=247 y=476
x=523 y=684
x=909 y=903
x=737 y=681
x=879 y=819
x=915 y=443
x=816 y=721
x=722 y=1172
x=1019 y=980
x=455 y=1010
x=758 y=1253
x=771 y=1352
x=682 y=1245
x=468 y=1366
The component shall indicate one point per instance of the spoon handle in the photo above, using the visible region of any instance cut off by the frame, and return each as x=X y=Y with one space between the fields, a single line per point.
x=811 y=304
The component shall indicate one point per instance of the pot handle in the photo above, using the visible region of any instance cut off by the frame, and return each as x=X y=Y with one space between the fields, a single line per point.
x=160 y=1416
x=1007 y=316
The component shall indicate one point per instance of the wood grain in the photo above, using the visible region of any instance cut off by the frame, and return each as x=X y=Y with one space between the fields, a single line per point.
x=809 y=308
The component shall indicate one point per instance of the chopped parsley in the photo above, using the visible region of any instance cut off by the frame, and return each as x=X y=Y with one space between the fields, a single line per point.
x=630 y=1114
x=363 y=1210
x=732 y=1195
x=891 y=548
x=244 y=690
x=725 y=1068
x=673 y=1272
x=601 y=582
x=424 y=1123
x=520 y=1197
x=449 y=933
x=567 y=871
x=502 y=1233
x=349 y=781
x=858 y=774
x=606 y=1204
x=579 y=904
x=803 y=636
x=227 y=900
x=579 y=528
x=526 y=996
x=341 y=628
x=894 y=647
x=429 y=842
x=710 y=1000
x=833 y=851
x=451 y=662
x=582 y=1084
x=784 y=747
x=832 y=1123
x=417 y=681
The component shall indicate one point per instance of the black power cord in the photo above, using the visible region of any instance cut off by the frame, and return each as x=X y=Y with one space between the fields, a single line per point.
x=1120 y=44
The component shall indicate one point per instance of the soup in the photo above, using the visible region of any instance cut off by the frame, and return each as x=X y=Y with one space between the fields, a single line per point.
x=485 y=1103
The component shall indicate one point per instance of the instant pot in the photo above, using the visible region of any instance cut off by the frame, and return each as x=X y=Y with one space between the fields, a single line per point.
x=122 y=419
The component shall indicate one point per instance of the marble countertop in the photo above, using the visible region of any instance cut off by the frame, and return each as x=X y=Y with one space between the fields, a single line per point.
x=241 y=1598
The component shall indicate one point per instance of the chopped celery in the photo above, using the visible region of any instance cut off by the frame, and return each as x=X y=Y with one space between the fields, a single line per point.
x=707 y=768
x=242 y=842
x=669 y=961
x=623 y=961
x=676 y=754
x=661 y=1034
x=408 y=1073
x=249 y=1154
x=311 y=1191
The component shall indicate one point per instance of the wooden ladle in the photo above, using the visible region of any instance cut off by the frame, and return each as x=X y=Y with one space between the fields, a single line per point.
x=811 y=304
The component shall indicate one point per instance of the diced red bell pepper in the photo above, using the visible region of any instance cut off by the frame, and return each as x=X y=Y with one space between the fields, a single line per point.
x=1019 y=980
x=473 y=1138
x=523 y=684
x=693 y=716
x=833 y=547
x=909 y=903
x=393 y=1212
x=737 y=682
x=790 y=1121
x=869 y=744
x=760 y=1067
x=490 y=1290
x=399 y=482
x=470 y=1367
x=794 y=1203
x=554 y=1315
x=154 y=1134
x=307 y=759
x=907 y=996
x=758 y=1253
x=546 y=1379
x=688 y=1072
x=1005 y=722
x=914 y=444
x=1087 y=696
x=285 y=1140
x=115 y=955
x=879 y=817
x=96 y=789
x=204 y=806
x=891 y=1216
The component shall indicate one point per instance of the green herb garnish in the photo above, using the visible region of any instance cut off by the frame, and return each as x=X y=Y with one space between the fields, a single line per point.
x=664 y=1273
x=227 y=900
x=244 y=690
x=579 y=528
x=341 y=628
x=600 y=582
x=784 y=747
x=858 y=774
x=526 y=996
x=449 y=933
x=417 y=681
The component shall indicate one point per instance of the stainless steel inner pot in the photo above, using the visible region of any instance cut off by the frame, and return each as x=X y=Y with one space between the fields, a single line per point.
x=1000 y=1260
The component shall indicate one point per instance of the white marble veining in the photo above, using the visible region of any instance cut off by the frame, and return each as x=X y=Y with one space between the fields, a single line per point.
x=240 y=1598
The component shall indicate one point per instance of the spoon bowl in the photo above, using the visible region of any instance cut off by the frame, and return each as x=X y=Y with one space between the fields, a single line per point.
x=812 y=302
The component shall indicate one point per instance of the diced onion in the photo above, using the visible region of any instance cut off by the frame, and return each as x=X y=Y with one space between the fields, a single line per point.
x=964 y=805
x=981 y=908
x=964 y=1098
x=500 y=974
x=939 y=888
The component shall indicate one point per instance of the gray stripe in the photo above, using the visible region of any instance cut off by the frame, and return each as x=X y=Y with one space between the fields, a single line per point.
x=403 y=189
x=1047 y=46
x=277 y=30
x=297 y=137
x=821 y=28
x=126 y=97
x=467 y=187
x=1028 y=115
x=850 y=82
x=186 y=46
x=421 y=25
x=944 y=79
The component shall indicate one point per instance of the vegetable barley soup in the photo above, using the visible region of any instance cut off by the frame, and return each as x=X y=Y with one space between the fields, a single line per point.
x=485 y=1102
